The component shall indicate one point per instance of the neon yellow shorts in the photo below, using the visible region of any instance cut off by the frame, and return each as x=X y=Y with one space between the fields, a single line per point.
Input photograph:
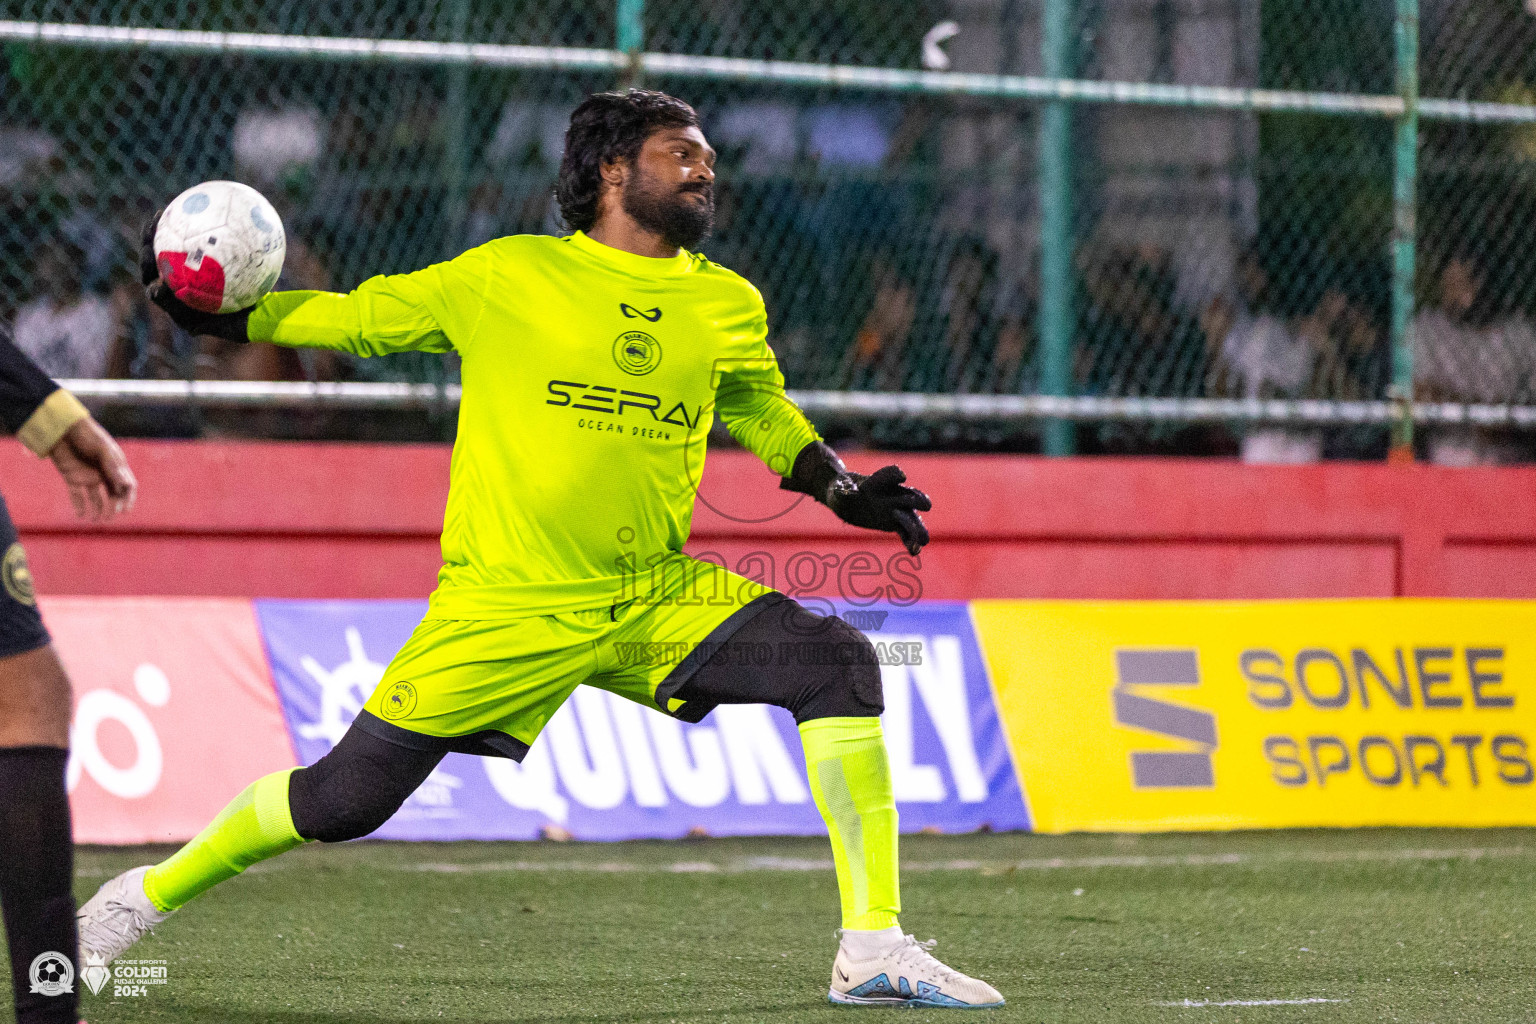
x=489 y=686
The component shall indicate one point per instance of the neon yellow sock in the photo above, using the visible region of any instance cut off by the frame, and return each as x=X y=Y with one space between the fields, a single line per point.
x=256 y=825
x=851 y=781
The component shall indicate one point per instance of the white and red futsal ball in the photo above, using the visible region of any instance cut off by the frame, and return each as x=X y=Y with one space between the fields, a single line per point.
x=220 y=246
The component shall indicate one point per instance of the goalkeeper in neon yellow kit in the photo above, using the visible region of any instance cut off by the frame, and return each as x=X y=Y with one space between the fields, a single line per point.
x=593 y=366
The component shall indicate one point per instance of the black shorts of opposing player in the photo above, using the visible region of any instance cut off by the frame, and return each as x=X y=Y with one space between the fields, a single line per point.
x=816 y=666
x=21 y=627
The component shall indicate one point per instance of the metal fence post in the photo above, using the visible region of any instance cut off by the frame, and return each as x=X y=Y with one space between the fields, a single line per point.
x=630 y=36
x=1404 y=225
x=1056 y=319
x=456 y=142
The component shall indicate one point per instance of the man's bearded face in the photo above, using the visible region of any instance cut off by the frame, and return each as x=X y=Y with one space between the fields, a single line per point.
x=681 y=214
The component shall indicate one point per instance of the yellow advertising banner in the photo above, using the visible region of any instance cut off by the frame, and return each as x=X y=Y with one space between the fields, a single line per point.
x=1153 y=715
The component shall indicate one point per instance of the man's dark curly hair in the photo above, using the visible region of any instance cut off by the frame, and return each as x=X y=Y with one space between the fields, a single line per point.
x=608 y=127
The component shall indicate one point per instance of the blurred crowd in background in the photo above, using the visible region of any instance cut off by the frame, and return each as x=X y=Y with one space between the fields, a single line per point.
x=1217 y=254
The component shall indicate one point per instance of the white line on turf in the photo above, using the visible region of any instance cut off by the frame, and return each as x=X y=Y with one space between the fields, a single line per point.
x=747 y=865
x=1196 y=1003
x=753 y=864
x=1221 y=859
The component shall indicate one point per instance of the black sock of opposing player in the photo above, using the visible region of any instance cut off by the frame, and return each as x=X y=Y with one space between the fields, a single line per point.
x=37 y=868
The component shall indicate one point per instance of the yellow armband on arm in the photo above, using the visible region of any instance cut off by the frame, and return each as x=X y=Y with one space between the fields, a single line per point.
x=50 y=421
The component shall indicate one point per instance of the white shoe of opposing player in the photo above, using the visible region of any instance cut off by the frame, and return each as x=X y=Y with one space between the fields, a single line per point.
x=907 y=974
x=117 y=916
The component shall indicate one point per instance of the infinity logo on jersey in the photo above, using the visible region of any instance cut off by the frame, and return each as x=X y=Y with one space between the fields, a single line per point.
x=636 y=352
x=653 y=314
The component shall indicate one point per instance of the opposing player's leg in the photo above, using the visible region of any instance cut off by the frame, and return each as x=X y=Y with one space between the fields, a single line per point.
x=37 y=862
x=830 y=682
x=37 y=867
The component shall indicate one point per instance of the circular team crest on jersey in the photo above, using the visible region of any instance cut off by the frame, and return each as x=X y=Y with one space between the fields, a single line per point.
x=637 y=353
x=399 y=701
x=16 y=576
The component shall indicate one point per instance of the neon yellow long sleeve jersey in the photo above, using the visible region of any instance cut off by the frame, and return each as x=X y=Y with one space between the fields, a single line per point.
x=591 y=377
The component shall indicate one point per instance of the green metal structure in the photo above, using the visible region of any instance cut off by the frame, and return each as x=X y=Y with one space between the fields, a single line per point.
x=1096 y=233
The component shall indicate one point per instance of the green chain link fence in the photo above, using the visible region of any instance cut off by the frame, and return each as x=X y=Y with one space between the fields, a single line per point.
x=1241 y=206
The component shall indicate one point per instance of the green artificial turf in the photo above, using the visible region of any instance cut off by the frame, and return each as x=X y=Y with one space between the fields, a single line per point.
x=1404 y=925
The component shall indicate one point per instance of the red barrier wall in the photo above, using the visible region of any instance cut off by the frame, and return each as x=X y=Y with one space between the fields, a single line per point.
x=336 y=520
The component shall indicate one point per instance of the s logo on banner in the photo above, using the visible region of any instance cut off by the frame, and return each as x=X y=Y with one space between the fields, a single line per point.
x=1165 y=769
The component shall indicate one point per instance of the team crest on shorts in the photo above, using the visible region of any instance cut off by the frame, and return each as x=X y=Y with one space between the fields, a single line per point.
x=16 y=576
x=637 y=353
x=399 y=700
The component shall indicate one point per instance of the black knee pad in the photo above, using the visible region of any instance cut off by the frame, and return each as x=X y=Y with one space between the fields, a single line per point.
x=843 y=680
x=354 y=789
x=817 y=666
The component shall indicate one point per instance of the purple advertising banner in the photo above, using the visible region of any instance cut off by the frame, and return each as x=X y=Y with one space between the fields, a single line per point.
x=606 y=768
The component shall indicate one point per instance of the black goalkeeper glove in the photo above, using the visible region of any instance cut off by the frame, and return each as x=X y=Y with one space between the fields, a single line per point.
x=880 y=501
x=230 y=326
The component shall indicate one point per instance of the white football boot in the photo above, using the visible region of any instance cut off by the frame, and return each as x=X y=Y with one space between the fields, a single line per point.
x=119 y=915
x=907 y=974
